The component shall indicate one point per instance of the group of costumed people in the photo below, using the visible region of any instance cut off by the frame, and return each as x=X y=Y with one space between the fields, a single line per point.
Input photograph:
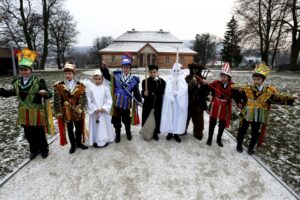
x=112 y=98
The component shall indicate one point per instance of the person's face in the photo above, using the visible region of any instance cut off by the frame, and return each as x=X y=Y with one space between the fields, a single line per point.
x=153 y=73
x=98 y=79
x=224 y=78
x=69 y=75
x=25 y=72
x=258 y=81
x=126 y=69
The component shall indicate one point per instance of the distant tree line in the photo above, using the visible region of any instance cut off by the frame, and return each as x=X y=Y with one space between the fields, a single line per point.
x=272 y=26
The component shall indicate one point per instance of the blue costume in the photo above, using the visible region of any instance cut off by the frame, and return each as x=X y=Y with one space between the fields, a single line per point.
x=122 y=88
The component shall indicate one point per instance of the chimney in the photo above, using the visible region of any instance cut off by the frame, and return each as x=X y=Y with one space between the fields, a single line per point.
x=133 y=30
x=161 y=30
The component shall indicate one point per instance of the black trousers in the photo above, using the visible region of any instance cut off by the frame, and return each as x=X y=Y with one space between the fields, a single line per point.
x=212 y=125
x=255 y=126
x=124 y=116
x=75 y=139
x=36 y=138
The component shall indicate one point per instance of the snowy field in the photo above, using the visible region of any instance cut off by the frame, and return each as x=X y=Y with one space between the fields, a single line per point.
x=280 y=153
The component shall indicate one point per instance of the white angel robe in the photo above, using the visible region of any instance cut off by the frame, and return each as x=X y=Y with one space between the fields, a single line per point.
x=175 y=103
x=100 y=128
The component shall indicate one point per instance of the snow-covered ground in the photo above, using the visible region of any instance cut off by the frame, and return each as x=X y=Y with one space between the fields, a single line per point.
x=156 y=170
x=146 y=170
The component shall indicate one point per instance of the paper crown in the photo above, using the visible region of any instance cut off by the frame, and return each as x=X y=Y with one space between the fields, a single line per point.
x=226 y=69
x=262 y=69
x=26 y=58
x=126 y=59
x=69 y=67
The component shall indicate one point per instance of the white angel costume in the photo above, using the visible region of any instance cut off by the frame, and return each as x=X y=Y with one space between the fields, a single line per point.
x=175 y=102
x=100 y=128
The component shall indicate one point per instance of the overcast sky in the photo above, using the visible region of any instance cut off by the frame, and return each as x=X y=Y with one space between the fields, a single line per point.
x=184 y=19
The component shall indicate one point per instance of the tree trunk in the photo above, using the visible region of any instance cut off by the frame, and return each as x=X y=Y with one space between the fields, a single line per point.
x=24 y=26
x=294 y=55
x=46 y=34
x=295 y=48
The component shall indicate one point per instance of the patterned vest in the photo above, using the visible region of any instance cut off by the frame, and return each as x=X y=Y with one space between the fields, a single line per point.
x=30 y=114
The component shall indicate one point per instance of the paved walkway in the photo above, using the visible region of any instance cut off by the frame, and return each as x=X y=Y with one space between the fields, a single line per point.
x=146 y=170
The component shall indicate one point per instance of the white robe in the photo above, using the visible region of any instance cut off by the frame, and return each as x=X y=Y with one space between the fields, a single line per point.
x=175 y=104
x=99 y=97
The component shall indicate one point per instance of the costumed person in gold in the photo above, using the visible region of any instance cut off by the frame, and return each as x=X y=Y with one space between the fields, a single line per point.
x=31 y=92
x=257 y=99
x=69 y=106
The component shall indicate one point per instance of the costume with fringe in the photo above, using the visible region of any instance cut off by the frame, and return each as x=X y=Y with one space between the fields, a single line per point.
x=256 y=110
x=33 y=111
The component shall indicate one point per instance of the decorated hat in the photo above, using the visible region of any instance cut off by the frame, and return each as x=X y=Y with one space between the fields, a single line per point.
x=26 y=58
x=262 y=70
x=97 y=73
x=69 y=66
x=226 y=69
x=126 y=59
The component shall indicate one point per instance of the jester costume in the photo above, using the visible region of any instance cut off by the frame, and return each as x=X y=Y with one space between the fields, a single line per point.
x=257 y=100
x=32 y=115
x=70 y=105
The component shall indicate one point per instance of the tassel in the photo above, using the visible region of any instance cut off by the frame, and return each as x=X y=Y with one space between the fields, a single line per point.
x=67 y=109
x=62 y=131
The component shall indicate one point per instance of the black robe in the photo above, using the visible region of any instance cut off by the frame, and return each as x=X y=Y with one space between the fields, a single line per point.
x=156 y=89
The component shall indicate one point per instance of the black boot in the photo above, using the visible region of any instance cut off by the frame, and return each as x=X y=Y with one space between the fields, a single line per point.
x=82 y=146
x=32 y=155
x=219 y=139
x=239 y=149
x=118 y=135
x=72 y=149
x=169 y=136
x=212 y=124
x=128 y=132
x=155 y=136
x=177 y=138
x=250 y=151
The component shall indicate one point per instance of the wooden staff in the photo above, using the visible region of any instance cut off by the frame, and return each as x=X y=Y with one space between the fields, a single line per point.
x=146 y=81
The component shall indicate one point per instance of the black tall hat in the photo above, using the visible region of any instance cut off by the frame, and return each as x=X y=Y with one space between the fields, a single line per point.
x=152 y=67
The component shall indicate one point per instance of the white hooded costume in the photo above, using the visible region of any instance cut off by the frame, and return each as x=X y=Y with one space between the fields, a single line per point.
x=175 y=103
x=100 y=128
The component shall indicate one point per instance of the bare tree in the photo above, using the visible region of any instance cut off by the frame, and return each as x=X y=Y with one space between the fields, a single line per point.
x=262 y=25
x=98 y=44
x=27 y=26
x=293 y=26
x=63 y=34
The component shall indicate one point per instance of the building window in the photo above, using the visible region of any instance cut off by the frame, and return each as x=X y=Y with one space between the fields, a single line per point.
x=113 y=59
x=167 y=59
x=181 y=59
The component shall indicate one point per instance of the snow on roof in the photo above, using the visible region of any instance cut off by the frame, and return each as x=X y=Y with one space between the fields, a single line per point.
x=171 y=48
x=137 y=46
x=147 y=36
x=124 y=47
